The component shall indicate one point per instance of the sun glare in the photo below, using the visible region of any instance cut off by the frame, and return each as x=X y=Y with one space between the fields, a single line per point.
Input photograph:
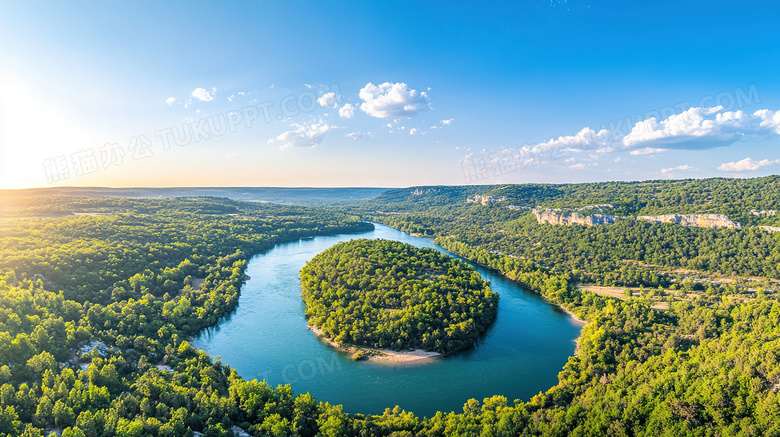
x=32 y=130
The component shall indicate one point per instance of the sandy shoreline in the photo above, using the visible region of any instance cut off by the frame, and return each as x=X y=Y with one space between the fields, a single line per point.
x=573 y=316
x=394 y=357
x=387 y=356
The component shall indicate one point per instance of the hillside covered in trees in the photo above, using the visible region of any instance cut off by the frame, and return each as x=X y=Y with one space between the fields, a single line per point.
x=630 y=252
x=388 y=294
x=733 y=197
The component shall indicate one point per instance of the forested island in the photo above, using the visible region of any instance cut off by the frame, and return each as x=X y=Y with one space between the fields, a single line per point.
x=388 y=294
x=99 y=296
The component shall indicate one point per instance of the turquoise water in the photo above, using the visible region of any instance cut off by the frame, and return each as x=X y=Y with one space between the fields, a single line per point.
x=266 y=338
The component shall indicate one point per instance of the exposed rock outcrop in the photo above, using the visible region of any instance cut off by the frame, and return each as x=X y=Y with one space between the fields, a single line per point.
x=101 y=347
x=568 y=218
x=695 y=220
x=485 y=200
x=562 y=217
x=599 y=207
x=770 y=228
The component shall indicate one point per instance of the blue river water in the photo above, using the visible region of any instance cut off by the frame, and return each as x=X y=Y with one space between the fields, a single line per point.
x=266 y=338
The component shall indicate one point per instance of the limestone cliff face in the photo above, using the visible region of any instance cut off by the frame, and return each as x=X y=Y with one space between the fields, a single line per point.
x=568 y=218
x=695 y=220
x=485 y=200
x=770 y=228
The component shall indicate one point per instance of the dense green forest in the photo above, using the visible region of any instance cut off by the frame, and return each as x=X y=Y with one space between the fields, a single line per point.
x=96 y=309
x=388 y=294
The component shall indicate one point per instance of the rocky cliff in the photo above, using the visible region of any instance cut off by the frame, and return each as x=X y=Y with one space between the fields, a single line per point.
x=695 y=220
x=568 y=218
x=485 y=200
x=558 y=217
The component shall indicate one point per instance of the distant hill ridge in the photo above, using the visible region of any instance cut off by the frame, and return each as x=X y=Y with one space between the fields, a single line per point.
x=283 y=195
x=756 y=194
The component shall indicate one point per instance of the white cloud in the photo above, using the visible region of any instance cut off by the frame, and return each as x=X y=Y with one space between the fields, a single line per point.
x=746 y=164
x=328 y=100
x=586 y=139
x=697 y=128
x=702 y=128
x=443 y=123
x=562 y=149
x=413 y=131
x=392 y=100
x=770 y=120
x=359 y=135
x=202 y=95
x=583 y=166
x=645 y=151
x=347 y=111
x=304 y=135
x=170 y=100
x=679 y=167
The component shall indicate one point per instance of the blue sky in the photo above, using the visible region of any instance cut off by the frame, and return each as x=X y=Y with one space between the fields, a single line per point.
x=386 y=93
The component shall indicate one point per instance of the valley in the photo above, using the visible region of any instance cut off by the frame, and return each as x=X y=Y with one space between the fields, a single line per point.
x=146 y=279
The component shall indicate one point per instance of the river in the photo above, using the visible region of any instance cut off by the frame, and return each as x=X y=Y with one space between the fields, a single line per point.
x=266 y=338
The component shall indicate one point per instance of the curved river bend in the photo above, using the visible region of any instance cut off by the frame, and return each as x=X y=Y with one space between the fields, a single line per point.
x=266 y=338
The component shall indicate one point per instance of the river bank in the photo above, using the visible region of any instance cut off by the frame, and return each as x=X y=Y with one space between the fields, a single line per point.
x=573 y=316
x=387 y=356
x=579 y=322
x=565 y=310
